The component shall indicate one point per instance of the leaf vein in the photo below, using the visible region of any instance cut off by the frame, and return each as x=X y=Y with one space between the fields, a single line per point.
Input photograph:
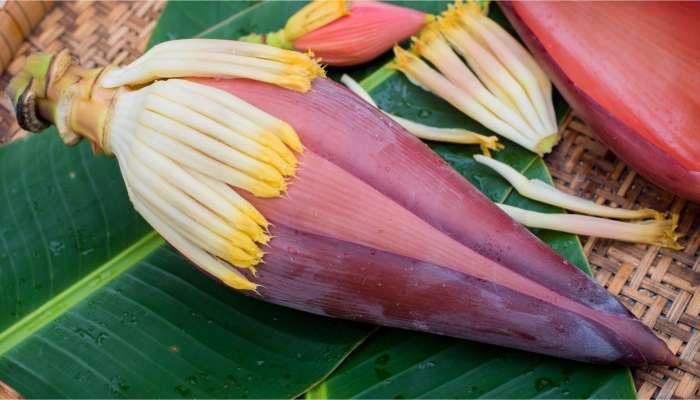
x=168 y=323
x=77 y=360
x=95 y=192
x=29 y=371
x=13 y=215
x=62 y=196
x=228 y=20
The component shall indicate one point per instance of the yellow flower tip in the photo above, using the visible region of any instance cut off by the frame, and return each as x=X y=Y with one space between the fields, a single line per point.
x=283 y=168
x=256 y=216
x=294 y=82
x=316 y=68
x=488 y=143
x=278 y=184
x=470 y=8
x=253 y=271
x=249 y=226
x=290 y=137
x=289 y=170
x=262 y=238
x=290 y=159
x=448 y=22
x=264 y=190
x=306 y=62
x=669 y=237
x=238 y=281
x=315 y=15
x=448 y=16
x=257 y=255
x=268 y=175
x=426 y=37
x=650 y=213
x=247 y=264
x=545 y=145
x=429 y=19
x=402 y=58
x=242 y=255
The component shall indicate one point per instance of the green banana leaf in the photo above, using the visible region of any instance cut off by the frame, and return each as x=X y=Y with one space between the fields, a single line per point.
x=94 y=304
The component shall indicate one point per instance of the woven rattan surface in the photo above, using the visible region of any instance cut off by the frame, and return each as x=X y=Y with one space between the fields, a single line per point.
x=99 y=33
x=658 y=285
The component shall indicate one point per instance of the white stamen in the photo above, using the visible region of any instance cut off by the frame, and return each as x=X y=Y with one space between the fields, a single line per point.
x=439 y=53
x=222 y=59
x=447 y=135
x=517 y=67
x=210 y=116
x=475 y=54
x=282 y=129
x=414 y=67
x=524 y=56
x=537 y=190
x=656 y=232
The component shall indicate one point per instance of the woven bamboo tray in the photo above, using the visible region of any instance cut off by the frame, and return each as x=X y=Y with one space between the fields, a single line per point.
x=659 y=286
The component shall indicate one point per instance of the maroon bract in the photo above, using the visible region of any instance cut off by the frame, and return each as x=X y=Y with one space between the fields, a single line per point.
x=631 y=71
x=376 y=227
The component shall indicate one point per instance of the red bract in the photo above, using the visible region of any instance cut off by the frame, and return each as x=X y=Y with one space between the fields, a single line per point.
x=631 y=71
x=376 y=227
x=369 y=30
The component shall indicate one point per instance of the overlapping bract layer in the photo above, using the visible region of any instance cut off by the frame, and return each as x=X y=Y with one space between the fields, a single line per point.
x=377 y=228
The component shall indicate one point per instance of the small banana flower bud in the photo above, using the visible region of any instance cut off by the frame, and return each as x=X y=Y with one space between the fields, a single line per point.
x=342 y=34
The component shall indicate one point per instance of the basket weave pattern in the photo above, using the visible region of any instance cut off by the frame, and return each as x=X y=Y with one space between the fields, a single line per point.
x=659 y=286
x=98 y=32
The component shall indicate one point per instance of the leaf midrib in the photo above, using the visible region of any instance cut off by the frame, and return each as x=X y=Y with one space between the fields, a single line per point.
x=79 y=291
x=107 y=272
